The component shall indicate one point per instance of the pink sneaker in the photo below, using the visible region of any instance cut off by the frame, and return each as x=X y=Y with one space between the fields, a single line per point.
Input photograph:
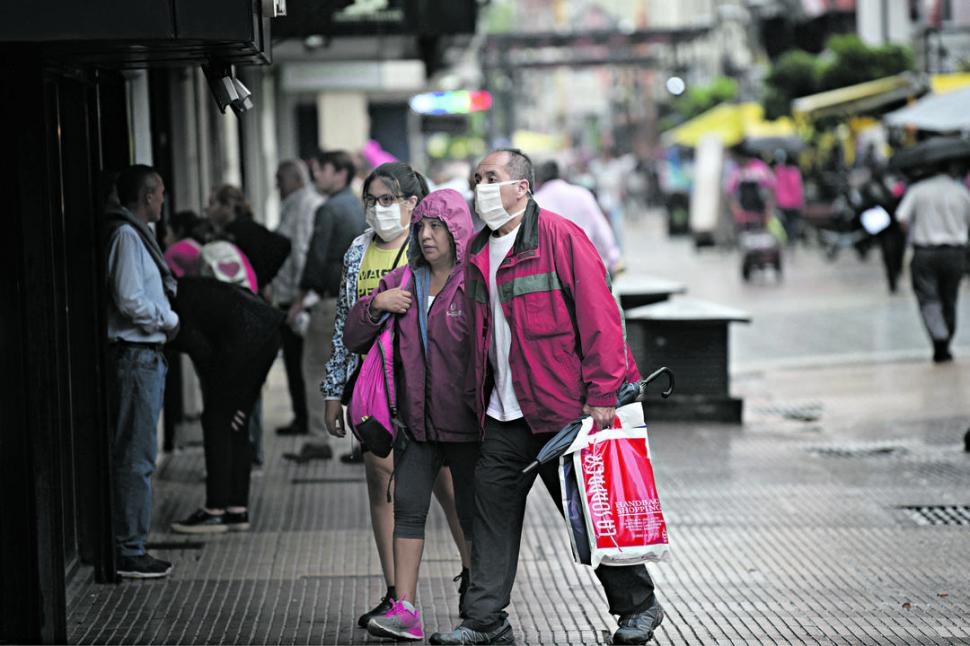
x=402 y=621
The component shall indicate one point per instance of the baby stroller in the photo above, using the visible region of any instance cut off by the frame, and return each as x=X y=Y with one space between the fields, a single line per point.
x=759 y=248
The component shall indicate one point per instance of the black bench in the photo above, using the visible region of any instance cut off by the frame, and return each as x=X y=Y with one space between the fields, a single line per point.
x=691 y=338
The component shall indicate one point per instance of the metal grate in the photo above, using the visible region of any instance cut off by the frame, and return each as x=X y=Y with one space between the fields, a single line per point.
x=325 y=480
x=805 y=412
x=856 y=451
x=939 y=514
x=175 y=545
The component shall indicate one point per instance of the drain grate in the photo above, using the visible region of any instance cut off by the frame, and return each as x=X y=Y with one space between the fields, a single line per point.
x=325 y=480
x=939 y=514
x=856 y=451
x=804 y=412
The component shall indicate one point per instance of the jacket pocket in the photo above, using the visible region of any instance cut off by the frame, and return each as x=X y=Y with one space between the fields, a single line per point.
x=546 y=315
x=537 y=302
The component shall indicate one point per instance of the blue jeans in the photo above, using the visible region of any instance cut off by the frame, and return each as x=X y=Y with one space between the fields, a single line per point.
x=137 y=382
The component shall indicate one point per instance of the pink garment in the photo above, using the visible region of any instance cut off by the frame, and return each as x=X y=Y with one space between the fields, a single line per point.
x=376 y=155
x=788 y=187
x=183 y=257
x=578 y=204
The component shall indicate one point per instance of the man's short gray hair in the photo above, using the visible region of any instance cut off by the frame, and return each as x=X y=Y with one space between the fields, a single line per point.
x=519 y=165
x=296 y=168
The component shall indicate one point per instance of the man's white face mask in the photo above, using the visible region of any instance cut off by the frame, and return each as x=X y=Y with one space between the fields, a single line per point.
x=488 y=204
x=386 y=221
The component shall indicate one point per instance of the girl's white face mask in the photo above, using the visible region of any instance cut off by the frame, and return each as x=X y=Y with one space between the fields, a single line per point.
x=488 y=204
x=386 y=221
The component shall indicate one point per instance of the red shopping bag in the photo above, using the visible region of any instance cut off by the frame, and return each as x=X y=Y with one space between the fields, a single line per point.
x=613 y=512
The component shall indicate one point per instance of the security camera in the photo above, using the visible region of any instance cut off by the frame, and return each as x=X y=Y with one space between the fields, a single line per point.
x=227 y=90
x=243 y=100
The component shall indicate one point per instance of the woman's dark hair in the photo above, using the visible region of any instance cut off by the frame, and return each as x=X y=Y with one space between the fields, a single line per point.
x=232 y=196
x=184 y=223
x=401 y=178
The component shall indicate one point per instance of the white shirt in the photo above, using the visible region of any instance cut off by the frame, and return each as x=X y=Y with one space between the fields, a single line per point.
x=503 y=405
x=938 y=210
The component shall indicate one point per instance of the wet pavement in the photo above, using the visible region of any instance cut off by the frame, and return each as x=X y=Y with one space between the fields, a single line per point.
x=839 y=512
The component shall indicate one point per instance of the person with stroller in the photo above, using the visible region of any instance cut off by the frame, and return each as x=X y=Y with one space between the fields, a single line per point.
x=432 y=347
x=391 y=193
x=546 y=347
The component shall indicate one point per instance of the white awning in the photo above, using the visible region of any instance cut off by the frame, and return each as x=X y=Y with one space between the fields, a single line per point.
x=948 y=112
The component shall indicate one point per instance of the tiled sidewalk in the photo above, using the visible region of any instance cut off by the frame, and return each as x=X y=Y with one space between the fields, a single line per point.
x=778 y=538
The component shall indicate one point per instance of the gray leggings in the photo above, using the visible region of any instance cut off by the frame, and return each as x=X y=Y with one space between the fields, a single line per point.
x=415 y=470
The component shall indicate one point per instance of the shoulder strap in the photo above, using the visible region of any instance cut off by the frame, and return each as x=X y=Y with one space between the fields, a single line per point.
x=400 y=252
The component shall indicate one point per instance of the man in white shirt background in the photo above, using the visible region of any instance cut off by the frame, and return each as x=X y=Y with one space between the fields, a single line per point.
x=936 y=213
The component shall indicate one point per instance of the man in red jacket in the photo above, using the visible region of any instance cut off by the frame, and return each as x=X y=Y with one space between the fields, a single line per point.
x=548 y=348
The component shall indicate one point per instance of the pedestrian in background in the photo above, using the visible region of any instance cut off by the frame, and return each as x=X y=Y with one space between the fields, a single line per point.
x=439 y=428
x=184 y=244
x=299 y=203
x=335 y=225
x=547 y=347
x=789 y=194
x=391 y=193
x=936 y=213
x=140 y=322
x=578 y=205
x=243 y=251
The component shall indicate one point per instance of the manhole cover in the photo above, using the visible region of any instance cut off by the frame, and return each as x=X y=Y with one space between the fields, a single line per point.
x=850 y=451
x=939 y=514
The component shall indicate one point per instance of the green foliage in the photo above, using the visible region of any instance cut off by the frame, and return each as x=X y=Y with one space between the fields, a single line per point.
x=795 y=74
x=702 y=98
x=847 y=61
x=855 y=62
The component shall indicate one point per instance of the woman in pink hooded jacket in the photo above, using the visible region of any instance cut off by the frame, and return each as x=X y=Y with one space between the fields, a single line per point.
x=432 y=348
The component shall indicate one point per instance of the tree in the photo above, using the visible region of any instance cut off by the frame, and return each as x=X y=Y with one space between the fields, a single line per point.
x=852 y=61
x=795 y=74
x=846 y=61
x=704 y=97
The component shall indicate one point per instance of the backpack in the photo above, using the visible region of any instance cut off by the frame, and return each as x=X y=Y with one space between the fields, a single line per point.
x=750 y=196
x=224 y=261
x=373 y=405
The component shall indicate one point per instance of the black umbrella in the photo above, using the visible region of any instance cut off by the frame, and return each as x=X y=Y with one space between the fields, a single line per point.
x=627 y=394
x=791 y=144
x=938 y=150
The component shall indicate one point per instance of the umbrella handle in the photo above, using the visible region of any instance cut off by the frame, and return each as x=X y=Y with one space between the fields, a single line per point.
x=653 y=376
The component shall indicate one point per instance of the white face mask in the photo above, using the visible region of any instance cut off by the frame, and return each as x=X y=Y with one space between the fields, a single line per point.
x=488 y=204
x=386 y=221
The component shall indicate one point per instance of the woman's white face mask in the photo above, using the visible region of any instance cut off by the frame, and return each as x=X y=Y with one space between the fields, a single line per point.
x=386 y=221
x=488 y=204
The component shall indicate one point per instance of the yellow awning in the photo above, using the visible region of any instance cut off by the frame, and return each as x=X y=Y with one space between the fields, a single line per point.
x=731 y=123
x=853 y=99
x=943 y=83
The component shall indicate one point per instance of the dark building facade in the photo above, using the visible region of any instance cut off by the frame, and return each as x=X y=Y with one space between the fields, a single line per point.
x=65 y=120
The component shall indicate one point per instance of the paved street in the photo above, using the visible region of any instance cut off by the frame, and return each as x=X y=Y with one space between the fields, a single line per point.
x=814 y=522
